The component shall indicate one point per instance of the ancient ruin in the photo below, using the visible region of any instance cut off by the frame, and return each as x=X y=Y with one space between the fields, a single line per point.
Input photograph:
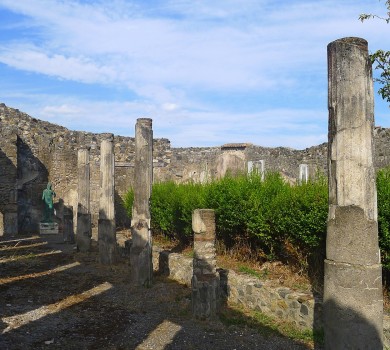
x=107 y=225
x=353 y=301
x=8 y=184
x=205 y=280
x=83 y=233
x=48 y=225
x=34 y=152
x=141 y=248
x=92 y=172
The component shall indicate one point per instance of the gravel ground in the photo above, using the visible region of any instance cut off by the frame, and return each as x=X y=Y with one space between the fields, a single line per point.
x=52 y=297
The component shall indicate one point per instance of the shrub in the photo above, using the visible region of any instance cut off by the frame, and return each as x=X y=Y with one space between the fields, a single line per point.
x=300 y=214
x=271 y=217
x=258 y=211
x=128 y=202
x=164 y=204
x=189 y=197
x=383 y=187
x=227 y=197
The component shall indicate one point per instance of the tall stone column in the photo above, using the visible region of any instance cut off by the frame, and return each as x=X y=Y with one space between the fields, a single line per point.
x=106 y=225
x=205 y=280
x=83 y=233
x=141 y=249
x=68 y=233
x=353 y=302
x=8 y=181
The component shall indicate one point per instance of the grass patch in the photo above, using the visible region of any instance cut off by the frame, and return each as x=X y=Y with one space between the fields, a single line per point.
x=249 y=271
x=235 y=315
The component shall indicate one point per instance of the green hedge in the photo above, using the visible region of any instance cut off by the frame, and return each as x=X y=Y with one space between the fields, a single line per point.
x=383 y=188
x=269 y=215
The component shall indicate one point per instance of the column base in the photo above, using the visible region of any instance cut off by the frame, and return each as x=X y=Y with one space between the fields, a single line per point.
x=205 y=296
x=107 y=242
x=83 y=237
x=141 y=265
x=353 y=306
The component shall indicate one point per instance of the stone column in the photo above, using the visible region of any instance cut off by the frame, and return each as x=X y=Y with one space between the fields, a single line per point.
x=106 y=225
x=8 y=181
x=11 y=214
x=258 y=167
x=205 y=280
x=68 y=233
x=303 y=173
x=141 y=249
x=83 y=233
x=353 y=304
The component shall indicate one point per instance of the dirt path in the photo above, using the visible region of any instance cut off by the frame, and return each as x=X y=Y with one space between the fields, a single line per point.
x=52 y=297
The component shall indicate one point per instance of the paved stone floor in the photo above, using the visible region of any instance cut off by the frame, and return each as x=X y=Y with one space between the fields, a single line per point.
x=52 y=297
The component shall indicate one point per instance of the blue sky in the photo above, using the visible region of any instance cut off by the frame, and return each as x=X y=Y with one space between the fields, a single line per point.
x=207 y=72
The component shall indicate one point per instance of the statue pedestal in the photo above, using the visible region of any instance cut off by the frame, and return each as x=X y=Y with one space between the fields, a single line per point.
x=48 y=228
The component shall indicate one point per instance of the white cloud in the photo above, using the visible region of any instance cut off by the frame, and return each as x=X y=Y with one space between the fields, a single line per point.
x=71 y=68
x=169 y=107
x=66 y=109
x=170 y=54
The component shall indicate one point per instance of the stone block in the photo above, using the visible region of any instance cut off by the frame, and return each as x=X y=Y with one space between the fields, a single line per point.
x=205 y=297
x=352 y=302
x=48 y=228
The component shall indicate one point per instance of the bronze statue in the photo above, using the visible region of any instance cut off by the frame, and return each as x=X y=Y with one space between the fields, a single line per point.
x=47 y=196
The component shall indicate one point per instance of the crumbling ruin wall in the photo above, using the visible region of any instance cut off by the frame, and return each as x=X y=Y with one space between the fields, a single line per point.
x=45 y=152
x=33 y=152
x=8 y=176
x=202 y=164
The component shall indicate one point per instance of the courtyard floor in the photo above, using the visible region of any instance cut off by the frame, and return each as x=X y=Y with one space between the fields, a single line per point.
x=52 y=297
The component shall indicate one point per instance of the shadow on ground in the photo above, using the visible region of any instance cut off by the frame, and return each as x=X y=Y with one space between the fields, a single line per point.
x=53 y=297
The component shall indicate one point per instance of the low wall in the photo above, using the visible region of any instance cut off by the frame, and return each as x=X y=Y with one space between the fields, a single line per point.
x=302 y=309
x=299 y=308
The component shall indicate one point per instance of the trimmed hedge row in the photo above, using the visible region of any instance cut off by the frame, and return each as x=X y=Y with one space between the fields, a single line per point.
x=270 y=215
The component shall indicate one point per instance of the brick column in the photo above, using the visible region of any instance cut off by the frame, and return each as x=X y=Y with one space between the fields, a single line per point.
x=353 y=304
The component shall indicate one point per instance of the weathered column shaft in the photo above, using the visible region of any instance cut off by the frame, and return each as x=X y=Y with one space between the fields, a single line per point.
x=205 y=281
x=353 y=302
x=8 y=179
x=141 y=249
x=68 y=233
x=83 y=234
x=106 y=226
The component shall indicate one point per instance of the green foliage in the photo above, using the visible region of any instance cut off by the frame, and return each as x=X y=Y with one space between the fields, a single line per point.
x=189 y=197
x=273 y=217
x=364 y=16
x=269 y=326
x=383 y=187
x=381 y=58
x=164 y=204
x=128 y=202
x=258 y=210
x=299 y=214
x=227 y=197
x=249 y=271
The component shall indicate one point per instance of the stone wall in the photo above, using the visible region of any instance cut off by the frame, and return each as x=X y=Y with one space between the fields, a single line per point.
x=203 y=164
x=8 y=176
x=302 y=309
x=33 y=152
